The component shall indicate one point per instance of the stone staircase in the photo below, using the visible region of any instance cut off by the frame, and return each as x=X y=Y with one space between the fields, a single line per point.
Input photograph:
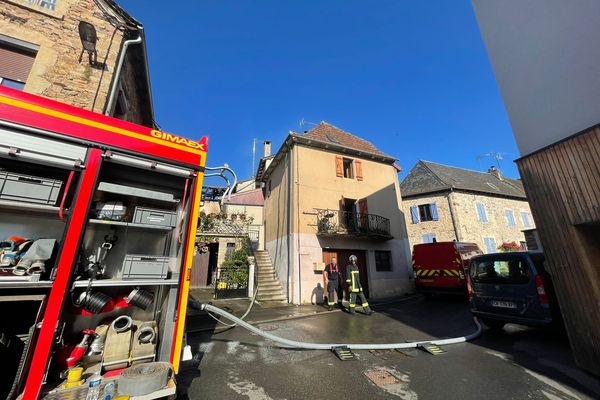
x=269 y=288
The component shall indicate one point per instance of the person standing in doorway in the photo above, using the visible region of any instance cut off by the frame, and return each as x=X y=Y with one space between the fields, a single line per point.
x=355 y=288
x=333 y=283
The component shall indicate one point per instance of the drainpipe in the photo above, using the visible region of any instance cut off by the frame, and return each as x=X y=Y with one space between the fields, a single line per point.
x=453 y=217
x=289 y=238
x=298 y=228
x=115 y=83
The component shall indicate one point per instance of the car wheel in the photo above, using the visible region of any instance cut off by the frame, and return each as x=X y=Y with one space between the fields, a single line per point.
x=493 y=324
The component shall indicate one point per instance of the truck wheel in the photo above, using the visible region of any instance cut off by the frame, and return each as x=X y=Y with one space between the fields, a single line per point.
x=493 y=324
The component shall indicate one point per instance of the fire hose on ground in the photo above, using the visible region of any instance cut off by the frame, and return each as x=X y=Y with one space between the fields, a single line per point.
x=329 y=346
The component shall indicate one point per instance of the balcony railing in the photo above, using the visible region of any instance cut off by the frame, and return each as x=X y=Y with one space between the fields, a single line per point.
x=335 y=222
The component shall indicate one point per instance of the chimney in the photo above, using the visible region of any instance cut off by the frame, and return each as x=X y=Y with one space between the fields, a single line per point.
x=496 y=172
x=267 y=148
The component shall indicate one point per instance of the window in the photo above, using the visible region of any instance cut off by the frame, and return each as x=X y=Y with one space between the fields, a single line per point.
x=490 y=245
x=230 y=248
x=510 y=217
x=509 y=269
x=383 y=260
x=481 y=212
x=49 y=4
x=525 y=218
x=16 y=60
x=429 y=238
x=12 y=84
x=424 y=212
x=332 y=139
x=348 y=168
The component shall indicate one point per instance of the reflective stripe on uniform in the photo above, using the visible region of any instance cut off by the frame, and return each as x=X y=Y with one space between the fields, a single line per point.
x=354 y=281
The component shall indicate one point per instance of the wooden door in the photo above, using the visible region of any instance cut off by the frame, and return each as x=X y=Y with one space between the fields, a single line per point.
x=343 y=257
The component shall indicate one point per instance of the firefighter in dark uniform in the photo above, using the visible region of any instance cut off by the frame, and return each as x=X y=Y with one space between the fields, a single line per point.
x=333 y=283
x=355 y=288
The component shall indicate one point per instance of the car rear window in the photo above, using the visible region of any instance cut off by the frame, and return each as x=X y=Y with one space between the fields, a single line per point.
x=514 y=270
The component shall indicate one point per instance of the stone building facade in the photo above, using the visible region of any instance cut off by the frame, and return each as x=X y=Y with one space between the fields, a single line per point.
x=40 y=49
x=469 y=206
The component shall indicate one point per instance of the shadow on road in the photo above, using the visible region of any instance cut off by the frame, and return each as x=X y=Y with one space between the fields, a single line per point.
x=542 y=351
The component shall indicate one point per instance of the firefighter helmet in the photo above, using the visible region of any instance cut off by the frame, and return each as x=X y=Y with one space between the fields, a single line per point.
x=353 y=258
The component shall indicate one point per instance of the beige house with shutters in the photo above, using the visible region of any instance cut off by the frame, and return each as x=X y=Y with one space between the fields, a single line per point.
x=448 y=203
x=330 y=193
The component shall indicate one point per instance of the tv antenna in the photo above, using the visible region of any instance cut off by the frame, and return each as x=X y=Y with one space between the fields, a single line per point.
x=495 y=155
x=304 y=122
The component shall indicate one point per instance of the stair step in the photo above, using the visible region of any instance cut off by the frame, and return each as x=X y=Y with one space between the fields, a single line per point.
x=272 y=292
x=271 y=298
x=268 y=282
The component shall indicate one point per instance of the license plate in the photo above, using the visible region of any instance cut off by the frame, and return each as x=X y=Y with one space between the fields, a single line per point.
x=504 y=304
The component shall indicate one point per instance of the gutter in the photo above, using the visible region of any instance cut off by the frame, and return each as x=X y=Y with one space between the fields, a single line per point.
x=453 y=216
x=117 y=76
x=289 y=224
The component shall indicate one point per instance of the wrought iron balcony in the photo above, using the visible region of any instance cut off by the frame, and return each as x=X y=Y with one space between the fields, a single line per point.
x=335 y=222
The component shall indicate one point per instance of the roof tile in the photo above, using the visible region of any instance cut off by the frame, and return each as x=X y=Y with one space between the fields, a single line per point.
x=325 y=132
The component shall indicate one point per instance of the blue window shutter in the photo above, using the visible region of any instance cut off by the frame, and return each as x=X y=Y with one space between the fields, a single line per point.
x=510 y=217
x=525 y=217
x=481 y=212
x=428 y=237
x=434 y=212
x=414 y=212
x=490 y=245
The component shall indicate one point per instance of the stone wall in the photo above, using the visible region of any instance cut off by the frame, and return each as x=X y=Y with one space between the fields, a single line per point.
x=443 y=228
x=468 y=226
x=473 y=230
x=56 y=72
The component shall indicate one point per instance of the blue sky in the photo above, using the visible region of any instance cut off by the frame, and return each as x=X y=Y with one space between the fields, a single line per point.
x=412 y=77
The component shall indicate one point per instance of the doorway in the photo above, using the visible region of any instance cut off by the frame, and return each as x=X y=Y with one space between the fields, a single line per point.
x=213 y=251
x=348 y=219
x=343 y=256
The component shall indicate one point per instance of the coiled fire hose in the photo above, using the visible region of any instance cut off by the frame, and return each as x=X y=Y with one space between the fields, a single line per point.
x=329 y=346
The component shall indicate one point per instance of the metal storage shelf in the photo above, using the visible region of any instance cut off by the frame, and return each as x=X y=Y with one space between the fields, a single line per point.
x=133 y=282
x=130 y=191
x=25 y=284
x=130 y=225
x=31 y=207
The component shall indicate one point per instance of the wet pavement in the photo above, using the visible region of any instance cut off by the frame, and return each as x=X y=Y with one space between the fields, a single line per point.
x=516 y=363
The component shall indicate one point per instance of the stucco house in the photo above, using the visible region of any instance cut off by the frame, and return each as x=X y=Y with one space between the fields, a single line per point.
x=449 y=203
x=330 y=193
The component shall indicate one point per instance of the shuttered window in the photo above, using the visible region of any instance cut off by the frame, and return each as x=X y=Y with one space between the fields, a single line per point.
x=481 y=212
x=490 y=245
x=429 y=238
x=49 y=4
x=525 y=218
x=339 y=167
x=510 y=217
x=15 y=64
x=359 y=172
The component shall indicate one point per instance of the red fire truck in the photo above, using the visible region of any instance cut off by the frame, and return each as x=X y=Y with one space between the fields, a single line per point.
x=97 y=226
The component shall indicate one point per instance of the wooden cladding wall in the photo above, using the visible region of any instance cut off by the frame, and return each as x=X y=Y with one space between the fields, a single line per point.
x=562 y=184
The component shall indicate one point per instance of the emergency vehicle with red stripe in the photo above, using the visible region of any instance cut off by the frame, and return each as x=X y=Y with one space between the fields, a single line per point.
x=440 y=267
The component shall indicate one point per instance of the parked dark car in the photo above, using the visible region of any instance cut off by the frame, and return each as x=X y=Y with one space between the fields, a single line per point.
x=512 y=287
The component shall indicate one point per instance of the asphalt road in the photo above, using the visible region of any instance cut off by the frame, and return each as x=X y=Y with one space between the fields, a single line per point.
x=516 y=363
